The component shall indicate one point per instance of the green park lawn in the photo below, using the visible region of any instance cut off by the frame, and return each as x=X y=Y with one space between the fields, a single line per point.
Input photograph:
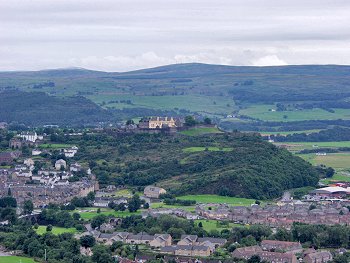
x=15 y=259
x=56 y=230
x=200 y=131
x=104 y=211
x=262 y=112
x=55 y=146
x=202 y=149
x=217 y=199
x=209 y=225
x=162 y=205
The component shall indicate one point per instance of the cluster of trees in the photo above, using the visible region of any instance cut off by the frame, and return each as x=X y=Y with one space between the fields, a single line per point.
x=262 y=170
x=61 y=218
x=334 y=134
x=8 y=206
x=38 y=108
x=133 y=204
x=62 y=248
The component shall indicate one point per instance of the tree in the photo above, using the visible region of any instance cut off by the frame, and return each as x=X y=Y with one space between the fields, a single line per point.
x=8 y=201
x=146 y=206
x=254 y=259
x=129 y=122
x=330 y=172
x=190 y=121
x=49 y=228
x=207 y=121
x=87 y=241
x=101 y=254
x=9 y=192
x=76 y=216
x=91 y=196
x=28 y=207
x=134 y=203
x=97 y=221
x=200 y=224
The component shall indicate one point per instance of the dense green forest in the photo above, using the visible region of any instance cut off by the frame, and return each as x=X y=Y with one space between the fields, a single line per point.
x=233 y=164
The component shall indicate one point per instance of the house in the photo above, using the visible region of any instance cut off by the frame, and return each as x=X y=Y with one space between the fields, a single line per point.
x=8 y=157
x=153 y=191
x=192 y=251
x=161 y=240
x=36 y=152
x=187 y=240
x=318 y=257
x=75 y=167
x=281 y=246
x=217 y=242
x=120 y=236
x=15 y=143
x=140 y=238
x=28 y=162
x=274 y=257
x=29 y=136
x=246 y=252
x=60 y=163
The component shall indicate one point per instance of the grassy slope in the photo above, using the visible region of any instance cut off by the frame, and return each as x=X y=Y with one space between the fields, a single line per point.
x=210 y=149
x=216 y=199
x=262 y=112
x=55 y=230
x=104 y=211
x=207 y=89
x=15 y=259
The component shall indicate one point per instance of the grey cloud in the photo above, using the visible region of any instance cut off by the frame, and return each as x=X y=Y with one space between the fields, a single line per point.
x=118 y=35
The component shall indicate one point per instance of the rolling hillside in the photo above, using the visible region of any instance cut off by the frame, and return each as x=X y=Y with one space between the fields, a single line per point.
x=253 y=95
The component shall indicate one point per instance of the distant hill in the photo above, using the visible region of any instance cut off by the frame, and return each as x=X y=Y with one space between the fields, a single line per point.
x=206 y=90
x=38 y=108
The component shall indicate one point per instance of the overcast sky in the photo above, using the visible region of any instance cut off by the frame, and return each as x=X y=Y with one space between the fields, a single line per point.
x=121 y=35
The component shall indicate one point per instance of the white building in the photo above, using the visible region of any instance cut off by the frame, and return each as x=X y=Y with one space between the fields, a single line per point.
x=60 y=163
x=36 y=152
x=29 y=136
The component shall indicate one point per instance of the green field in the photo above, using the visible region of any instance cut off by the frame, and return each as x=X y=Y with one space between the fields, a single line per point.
x=209 y=225
x=298 y=146
x=161 y=205
x=194 y=103
x=336 y=178
x=15 y=259
x=335 y=160
x=266 y=133
x=217 y=199
x=104 y=211
x=262 y=112
x=200 y=131
x=202 y=149
x=56 y=230
x=55 y=146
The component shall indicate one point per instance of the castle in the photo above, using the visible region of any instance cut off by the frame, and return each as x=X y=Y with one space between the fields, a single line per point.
x=159 y=123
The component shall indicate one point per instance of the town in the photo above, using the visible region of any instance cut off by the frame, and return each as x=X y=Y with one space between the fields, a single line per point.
x=41 y=174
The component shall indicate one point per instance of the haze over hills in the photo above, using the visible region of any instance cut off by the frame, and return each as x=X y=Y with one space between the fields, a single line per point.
x=303 y=93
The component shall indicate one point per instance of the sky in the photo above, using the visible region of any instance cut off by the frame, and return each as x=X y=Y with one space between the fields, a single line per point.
x=123 y=35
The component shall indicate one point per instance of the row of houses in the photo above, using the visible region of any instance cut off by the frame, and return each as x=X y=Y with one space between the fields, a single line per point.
x=329 y=213
x=189 y=245
x=282 y=252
